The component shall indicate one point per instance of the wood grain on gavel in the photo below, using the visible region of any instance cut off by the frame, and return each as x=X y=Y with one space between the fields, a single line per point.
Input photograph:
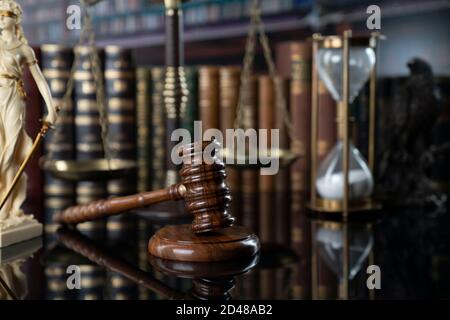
x=82 y=245
x=202 y=187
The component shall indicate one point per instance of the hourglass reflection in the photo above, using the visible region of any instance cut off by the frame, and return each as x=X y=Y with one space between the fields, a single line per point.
x=344 y=180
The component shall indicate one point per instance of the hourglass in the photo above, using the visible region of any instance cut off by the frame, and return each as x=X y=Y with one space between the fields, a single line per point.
x=343 y=181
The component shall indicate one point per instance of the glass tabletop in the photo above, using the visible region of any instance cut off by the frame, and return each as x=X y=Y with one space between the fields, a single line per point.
x=392 y=254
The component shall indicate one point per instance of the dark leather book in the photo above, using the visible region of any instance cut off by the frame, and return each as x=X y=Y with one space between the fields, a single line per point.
x=298 y=56
x=209 y=96
x=58 y=144
x=283 y=58
x=266 y=111
x=89 y=143
x=250 y=177
x=229 y=95
x=121 y=109
x=158 y=130
x=143 y=130
x=192 y=110
x=272 y=215
x=88 y=137
x=282 y=178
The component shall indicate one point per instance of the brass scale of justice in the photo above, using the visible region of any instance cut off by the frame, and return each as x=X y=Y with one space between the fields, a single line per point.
x=212 y=236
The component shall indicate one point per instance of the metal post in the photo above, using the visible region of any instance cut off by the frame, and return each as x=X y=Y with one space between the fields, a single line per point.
x=314 y=117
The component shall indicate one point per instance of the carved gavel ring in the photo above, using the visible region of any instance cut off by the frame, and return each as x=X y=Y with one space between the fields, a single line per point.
x=202 y=187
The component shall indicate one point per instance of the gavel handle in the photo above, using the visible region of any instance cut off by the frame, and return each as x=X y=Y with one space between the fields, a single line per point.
x=104 y=208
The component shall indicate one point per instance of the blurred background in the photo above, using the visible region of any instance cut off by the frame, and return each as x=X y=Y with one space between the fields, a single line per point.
x=414 y=27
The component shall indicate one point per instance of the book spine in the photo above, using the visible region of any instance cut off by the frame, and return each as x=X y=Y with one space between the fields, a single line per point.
x=121 y=105
x=301 y=113
x=175 y=88
x=281 y=225
x=88 y=136
x=250 y=177
x=229 y=94
x=266 y=98
x=269 y=186
x=209 y=97
x=283 y=59
x=192 y=112
x=59 y=194
x=158 y=134
x=121 y=109
x=143 y=123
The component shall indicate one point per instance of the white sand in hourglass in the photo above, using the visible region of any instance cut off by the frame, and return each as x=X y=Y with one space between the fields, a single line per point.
x=332 y=186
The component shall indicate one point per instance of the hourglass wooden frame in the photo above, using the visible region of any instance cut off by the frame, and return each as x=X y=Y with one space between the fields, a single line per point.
x=344 y=42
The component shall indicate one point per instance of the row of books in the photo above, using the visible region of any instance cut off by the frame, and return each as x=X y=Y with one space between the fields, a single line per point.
x=120 y=17
x=79 y=132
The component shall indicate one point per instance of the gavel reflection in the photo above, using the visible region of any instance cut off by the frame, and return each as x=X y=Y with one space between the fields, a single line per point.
x=202 y=187
x=210 y=237
x=211 y=281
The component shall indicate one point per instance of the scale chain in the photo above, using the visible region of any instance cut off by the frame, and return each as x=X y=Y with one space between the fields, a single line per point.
x=257 y=26
x=86 y=36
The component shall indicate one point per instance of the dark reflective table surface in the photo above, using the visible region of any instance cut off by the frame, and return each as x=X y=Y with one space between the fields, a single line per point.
x=303 y=256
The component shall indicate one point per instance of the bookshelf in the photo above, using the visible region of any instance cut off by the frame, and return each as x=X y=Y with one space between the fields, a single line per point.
x=130 y=22
x=139 y=24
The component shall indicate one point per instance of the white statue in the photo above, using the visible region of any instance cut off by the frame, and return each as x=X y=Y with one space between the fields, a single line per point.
x=15 y=144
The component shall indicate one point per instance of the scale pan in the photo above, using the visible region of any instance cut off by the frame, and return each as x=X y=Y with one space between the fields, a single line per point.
x=264 y=159
x=89 y=170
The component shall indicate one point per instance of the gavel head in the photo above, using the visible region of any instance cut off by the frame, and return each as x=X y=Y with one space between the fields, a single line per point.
x=207 y=196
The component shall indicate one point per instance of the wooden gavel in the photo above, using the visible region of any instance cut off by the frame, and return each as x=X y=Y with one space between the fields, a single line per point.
x=202 y=187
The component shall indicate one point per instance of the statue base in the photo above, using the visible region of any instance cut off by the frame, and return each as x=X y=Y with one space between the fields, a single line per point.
x=18 y=251
x=27 y=230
